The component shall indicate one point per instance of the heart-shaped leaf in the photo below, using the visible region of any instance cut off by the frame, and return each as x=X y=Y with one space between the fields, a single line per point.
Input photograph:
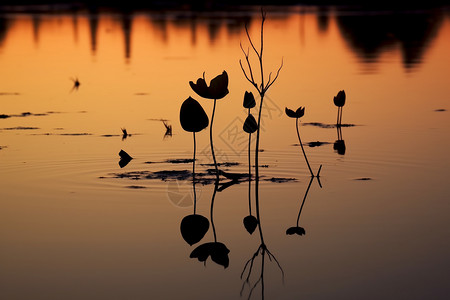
x=250 y=223
x=193 y=228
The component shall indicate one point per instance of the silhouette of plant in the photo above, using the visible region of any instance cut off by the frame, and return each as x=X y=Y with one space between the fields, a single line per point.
x=297 y=115
x=248 y=268
x=297 y=229
x=300 y=112
x=261 y=87
x=250 y=126
x=339 y=101
x=193 y=119
x=339 y=144
x=217 y=89
x=218 y=251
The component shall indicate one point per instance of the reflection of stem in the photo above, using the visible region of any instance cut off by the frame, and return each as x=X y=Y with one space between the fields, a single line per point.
x=211 y=140
x=337 y=121
x=304 y=198
x=212 y=209
x=303 y=150
x=257 y=167
x=249 y=172
x=193 y=177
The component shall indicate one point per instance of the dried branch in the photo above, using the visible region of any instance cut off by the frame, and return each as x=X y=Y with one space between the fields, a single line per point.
x=269 y=83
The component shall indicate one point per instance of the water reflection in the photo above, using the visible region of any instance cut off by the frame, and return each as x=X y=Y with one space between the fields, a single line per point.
x=368 y=34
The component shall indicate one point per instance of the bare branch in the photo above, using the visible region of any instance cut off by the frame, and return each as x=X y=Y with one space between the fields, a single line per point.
x=246 y=76
x=269 y=84
x=251 y=42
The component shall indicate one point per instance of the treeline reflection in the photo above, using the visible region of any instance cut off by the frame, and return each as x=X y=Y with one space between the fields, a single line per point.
x=368 y=35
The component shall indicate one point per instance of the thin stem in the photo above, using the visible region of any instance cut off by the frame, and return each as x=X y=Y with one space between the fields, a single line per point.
x=211 y=140
x=212 y=209
x=249 y=173
x=257 y=171
x=304 y=198
x=340 y=118
x=193 y=177
x=337 y=121
x=303 y=150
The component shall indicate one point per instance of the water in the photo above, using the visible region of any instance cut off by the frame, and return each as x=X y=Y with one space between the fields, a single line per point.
x=75 y=225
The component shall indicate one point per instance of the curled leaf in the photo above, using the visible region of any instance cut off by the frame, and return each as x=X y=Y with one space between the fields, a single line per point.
x=217 y=251
x=217 y=89
x=297 y=114
x=295 y=230
x=249 y=100
x=339 y=99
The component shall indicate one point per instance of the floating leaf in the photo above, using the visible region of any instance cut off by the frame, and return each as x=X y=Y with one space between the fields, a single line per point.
x=249 y=100
x=250 y=223
x=125 y=158
x=193 y=117
x=250 y=124
x=193 y=228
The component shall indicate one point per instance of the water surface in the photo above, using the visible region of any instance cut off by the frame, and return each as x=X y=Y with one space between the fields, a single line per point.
x=74 y=225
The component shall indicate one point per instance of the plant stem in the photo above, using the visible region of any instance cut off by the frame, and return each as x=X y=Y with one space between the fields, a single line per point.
x=249 y=175
x=303 y=150
x=304 y=198
x=337 y=121
x=257 y=169
x=193 y=177
x=340 y=118
x=212 y=209
x=211 y=141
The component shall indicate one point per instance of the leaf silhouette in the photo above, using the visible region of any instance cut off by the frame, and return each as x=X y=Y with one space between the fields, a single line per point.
x=193 y=117
x=249 y=100
x=250 y=124
x=193 y=228
x=250 y=223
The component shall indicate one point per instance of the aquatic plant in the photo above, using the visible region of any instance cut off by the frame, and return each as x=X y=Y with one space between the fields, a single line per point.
x=193 y=119
x=250 y=126
x=339 y=101
x=297 y=229
x=217 y=89
x=297 y=115
x=218 y=251
x=261 y=87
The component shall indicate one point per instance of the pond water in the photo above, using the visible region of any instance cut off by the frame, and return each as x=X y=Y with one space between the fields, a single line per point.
x=76 y=225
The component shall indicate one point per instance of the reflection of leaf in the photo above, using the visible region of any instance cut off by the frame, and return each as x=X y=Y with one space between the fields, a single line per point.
x=217 y=251
x=192 y=116
x=250 y=124
x=250 y=223
x=193 y=228
x=295 y=230
x=339 y=147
